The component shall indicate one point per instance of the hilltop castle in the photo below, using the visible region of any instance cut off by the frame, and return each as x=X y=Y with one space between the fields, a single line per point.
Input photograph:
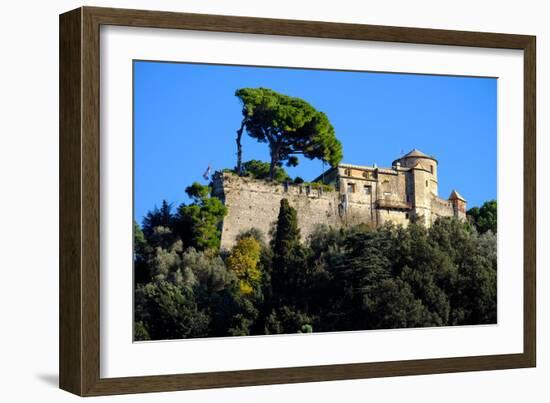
x=362 y=194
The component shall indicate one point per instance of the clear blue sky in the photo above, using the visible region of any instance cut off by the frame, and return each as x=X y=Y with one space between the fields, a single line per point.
x=186 y=116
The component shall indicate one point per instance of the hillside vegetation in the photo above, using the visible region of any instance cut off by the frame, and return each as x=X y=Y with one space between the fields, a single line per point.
x=356 y=278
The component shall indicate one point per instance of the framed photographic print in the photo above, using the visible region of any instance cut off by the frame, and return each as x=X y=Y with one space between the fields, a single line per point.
x=249 y=201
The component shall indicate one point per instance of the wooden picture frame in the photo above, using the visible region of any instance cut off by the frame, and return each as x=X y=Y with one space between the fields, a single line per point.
x=79 y=201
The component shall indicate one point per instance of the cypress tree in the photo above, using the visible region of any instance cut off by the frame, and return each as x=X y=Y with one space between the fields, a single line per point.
x=288 y=257
x=287 y=235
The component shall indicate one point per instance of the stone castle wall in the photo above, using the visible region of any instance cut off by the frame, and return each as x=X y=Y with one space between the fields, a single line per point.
x=255 y=203
x=441 y=208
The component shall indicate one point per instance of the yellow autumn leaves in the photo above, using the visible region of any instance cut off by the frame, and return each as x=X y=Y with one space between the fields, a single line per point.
x=244 y=261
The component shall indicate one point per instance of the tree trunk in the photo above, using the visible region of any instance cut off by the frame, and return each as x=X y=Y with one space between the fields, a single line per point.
x=275 y=149
x=240 y=148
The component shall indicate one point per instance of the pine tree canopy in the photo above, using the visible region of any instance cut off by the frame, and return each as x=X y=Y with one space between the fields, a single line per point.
x=290 y=126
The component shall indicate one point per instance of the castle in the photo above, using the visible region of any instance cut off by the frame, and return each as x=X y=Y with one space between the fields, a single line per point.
x=361 y=194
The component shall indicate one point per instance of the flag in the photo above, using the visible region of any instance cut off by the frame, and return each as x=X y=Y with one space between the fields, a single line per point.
x=206 y=174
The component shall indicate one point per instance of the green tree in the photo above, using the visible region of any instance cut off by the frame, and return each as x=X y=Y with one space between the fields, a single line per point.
x=209 y=270
x=287 y=319
x=392 y=304
x=293 y=281
x=289 y=258
x=165 y=264
x=356 y=266
x=260 y=170
x=198 y=224
x=287 y=234
x=158 y=217
x=216 y=289
x=484 y=218
x=167 y=311
x=231 y=313
x=421 y=264
x=465 y=268
x=487 y=220
x=289 y=125
x=142 y=251
x=140 y=332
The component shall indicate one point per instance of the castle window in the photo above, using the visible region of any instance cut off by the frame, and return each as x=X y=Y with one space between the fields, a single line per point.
x=347 y=172
x=426 y=183
x=367 y=190
x=432 y=169
x=366 y=174
x=351 y=187
x=407 y=216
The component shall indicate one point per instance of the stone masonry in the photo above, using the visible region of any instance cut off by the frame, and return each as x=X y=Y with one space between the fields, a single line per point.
x=361 y=195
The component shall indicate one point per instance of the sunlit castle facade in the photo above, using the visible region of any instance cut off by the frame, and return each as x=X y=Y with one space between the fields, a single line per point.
x=408 y=190
x=371 y=195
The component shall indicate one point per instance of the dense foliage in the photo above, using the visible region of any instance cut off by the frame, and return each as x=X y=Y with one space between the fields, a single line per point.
x=485 y=217
x=355 y=278
x=261 y=170
x=289 y=125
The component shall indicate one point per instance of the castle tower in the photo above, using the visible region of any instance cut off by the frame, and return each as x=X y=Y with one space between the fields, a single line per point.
x=421 y=182
x=459 y=204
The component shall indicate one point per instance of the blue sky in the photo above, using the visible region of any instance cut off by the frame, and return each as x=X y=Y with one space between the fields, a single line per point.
x=186 y=116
